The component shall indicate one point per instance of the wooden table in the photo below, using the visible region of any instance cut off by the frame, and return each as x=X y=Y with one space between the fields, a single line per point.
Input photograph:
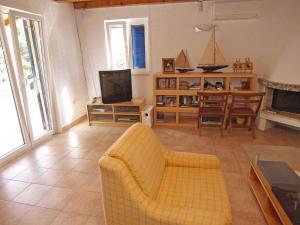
x=270 y=206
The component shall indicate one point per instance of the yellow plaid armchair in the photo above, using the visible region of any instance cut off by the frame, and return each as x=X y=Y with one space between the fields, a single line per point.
x=146 y=184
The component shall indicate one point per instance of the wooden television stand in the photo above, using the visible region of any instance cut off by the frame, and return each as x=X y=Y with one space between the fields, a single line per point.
x=117 y=113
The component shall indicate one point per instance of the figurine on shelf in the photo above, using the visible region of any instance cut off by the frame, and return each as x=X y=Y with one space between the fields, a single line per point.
x=243 y=67
x=219 y=86
x=249 y=65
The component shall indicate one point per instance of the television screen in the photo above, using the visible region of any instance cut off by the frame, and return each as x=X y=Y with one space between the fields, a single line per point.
x=115 y=86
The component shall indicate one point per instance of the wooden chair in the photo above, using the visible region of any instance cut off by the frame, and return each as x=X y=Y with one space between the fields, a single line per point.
x=213 y=105
x=244 y=105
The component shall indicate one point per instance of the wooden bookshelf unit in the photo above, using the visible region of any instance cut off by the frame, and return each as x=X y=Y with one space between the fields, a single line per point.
x=119 y=113
x=175 y=95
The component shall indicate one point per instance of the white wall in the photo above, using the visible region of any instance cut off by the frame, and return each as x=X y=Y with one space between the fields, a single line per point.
x=65 y=57
x=272 y=42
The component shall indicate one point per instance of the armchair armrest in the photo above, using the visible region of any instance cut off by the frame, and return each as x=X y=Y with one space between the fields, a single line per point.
x=194 y=160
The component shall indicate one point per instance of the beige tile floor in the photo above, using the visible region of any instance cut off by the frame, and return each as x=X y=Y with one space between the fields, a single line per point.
x=58 y=182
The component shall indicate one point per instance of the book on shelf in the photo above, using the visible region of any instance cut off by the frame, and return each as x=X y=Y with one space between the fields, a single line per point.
x=99 y=110
x=189 y=101
x=186 y=85
x=169 y=101
x=166 y=83
x=195 y=85
x=195 y=88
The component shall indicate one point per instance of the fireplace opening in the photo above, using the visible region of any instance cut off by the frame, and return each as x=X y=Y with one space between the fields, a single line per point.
x=288 y=101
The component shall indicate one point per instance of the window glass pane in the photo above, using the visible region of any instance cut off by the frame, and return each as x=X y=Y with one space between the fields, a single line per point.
x=138 y=46
x=118 y=46
x=11 y=135
x=30 y=43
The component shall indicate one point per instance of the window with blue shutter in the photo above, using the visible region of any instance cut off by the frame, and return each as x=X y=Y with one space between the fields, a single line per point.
x=138 y=46
x=127 y=41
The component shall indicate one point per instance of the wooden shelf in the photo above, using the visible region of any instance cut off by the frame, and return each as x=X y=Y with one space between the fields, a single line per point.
x=128 y=113
x=166 y=122
x=166 y=92
x=214 y=91
x=125 y=123
x=122 y=109
x=188 y=92
x=241 y=91
x=166 y=109
x=163 y=89
x=188 y=121
x=227 y=79
x=100 y=122
x=188 y=109
x=101 y=113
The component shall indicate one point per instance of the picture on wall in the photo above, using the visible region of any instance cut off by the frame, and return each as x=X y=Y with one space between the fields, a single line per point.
x=168 y=65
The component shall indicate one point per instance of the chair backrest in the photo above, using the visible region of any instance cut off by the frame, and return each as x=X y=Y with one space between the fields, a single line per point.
x=246 y=100
x=213 y=99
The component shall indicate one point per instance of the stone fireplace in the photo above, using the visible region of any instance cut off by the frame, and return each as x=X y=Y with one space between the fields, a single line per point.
x=281 y=105
x=288 y=101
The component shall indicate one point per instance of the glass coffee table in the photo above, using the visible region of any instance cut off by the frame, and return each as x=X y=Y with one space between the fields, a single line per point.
x=275 y=181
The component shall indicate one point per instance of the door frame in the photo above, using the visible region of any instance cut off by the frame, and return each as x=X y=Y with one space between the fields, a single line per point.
x=12 y=15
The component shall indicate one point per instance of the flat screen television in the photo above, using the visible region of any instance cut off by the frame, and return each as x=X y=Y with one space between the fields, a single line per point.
x=115 y=86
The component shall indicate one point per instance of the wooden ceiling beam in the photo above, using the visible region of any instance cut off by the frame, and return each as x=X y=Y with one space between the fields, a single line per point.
x=111 y=3
x=72 y=1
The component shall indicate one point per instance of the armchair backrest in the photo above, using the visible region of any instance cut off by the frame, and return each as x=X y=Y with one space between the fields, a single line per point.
x=141 y=151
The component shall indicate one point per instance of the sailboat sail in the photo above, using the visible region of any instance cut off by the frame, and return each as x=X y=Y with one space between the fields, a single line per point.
x=208 y=55
x=220 y=59
x=182 y=61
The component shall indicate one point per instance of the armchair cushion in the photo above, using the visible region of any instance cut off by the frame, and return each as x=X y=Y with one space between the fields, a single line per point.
x=141 y=152
x=195 y=188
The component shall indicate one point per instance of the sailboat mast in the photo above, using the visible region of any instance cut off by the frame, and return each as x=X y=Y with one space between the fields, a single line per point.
x=185 y=59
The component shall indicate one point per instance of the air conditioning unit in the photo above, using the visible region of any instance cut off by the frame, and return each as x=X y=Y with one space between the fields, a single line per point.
x=237 y=9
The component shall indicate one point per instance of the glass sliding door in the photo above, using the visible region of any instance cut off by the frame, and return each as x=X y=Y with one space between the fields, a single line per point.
x=11 y=135
x=25 y=107
x=28 y=39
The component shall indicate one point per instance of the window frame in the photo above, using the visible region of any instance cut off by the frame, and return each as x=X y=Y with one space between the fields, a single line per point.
x=127 y=23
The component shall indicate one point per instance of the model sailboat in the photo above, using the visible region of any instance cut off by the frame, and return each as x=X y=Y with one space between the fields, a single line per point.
x=182 y=63
x=212 y=58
